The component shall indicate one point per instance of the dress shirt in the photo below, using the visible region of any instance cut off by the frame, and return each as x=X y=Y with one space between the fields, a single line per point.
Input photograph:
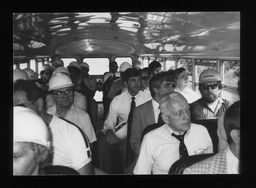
x=159 y=149
x=81 y=119
x=120 y=107
x=232 y=162
x=189 y=94
x=156 y=109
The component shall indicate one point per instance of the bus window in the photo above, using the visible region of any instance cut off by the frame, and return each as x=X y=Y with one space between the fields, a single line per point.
x=170 y=64
x=14 y=66
x=66 y=61
x=98 y=66
x=231 y=73
x=40 y=67
x=120 y=60
x=23 y=65
x=33 y=64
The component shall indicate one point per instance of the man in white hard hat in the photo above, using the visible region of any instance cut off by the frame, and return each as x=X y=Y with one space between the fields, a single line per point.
x=88 y=88
x=19 y=74
x=61 y=86
x=211 y=105
x=79 y=98
x=118 y=85
x=71 y=146
x=30 y=141
x=31 y=74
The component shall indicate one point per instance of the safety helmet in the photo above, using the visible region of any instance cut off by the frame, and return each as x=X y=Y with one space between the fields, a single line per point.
x=58 y=62
x=124 y=66
x=19 y=74
x=121 y=130
x=85 y=65
x=31 y=74
x=59 y=80
x=61 y=70
x=46 y=67
x=74 y=64
x=29 y=127
x=209 y=75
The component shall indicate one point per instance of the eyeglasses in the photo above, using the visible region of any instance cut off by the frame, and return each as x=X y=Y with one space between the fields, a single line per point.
x=212 y=86
x=59 y=94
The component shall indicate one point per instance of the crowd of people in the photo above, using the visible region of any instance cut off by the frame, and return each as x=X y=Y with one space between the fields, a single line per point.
x=148 y=121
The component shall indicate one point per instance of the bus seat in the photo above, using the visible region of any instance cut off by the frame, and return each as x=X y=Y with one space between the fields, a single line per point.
x=212 y=126
x=179 y=166
x=58 y=170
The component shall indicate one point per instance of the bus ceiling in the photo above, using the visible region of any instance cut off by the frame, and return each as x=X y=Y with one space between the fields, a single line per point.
x=191 y=34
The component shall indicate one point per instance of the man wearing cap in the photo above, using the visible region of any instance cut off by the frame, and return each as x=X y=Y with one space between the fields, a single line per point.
x=19 y=74
x=118 y=85
x=88 y=88
x=211 y=105
x=79 y=98
x=30 y=141
x=70 y=146
x=74 y=69
x=31 y=74
x=58 y=63
x=61 y=86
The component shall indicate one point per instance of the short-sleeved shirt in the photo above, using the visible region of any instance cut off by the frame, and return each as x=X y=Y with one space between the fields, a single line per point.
x=200 y=109
x=120 y=108
x=159 y=149
x=70 y=148
x=81 y=119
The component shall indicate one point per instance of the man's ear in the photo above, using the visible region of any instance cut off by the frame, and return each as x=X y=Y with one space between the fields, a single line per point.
x=40 y=104
x=165 y=118
x=235 y=135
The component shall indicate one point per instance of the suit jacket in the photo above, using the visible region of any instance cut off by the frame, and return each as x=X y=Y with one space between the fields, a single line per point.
x=143 y=116
x=216 y=164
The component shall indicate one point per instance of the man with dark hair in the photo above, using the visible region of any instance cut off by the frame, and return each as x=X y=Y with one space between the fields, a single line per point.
x=148 y=113
x=211 y=105
x=155 y=67
x=118 y=112
x=227 y=160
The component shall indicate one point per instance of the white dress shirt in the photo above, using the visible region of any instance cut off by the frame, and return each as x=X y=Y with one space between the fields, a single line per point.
x=232 y=162
x=159 y=149
x=119 y=108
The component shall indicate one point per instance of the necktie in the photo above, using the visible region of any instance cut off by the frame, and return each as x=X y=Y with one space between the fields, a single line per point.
x=182 y=148
x=160 y=120
x=129 y=153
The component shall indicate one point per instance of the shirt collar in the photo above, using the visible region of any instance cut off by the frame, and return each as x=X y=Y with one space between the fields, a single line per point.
x=155 y=105
x=170 y=131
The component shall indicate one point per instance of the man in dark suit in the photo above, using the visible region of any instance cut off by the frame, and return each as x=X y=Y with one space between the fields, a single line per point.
x=147 y=113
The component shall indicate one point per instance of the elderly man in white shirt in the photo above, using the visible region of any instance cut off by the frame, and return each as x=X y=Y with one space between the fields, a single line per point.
x=118 y=112
x=160 y=149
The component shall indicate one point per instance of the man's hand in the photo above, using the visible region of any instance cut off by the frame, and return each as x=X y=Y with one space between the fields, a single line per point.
x=111 y=137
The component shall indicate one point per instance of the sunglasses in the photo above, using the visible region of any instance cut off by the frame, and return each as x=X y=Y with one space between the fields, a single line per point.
x=212 y=86
x=59 y=94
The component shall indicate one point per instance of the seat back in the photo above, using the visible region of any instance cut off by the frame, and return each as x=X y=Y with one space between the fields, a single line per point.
x=211 y=125
x=179 y=166
x=150 y=128
x=58 y=170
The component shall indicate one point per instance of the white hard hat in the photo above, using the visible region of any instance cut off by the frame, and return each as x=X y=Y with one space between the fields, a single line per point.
x=85 y=65
x=46 y=67
x=121 y=130
x=29 y=127
x=75 y=64
x=209 y=75
x=59 y=80
x=31 y=74
x=124 y=66
x=19 y=74
x=61 y=70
